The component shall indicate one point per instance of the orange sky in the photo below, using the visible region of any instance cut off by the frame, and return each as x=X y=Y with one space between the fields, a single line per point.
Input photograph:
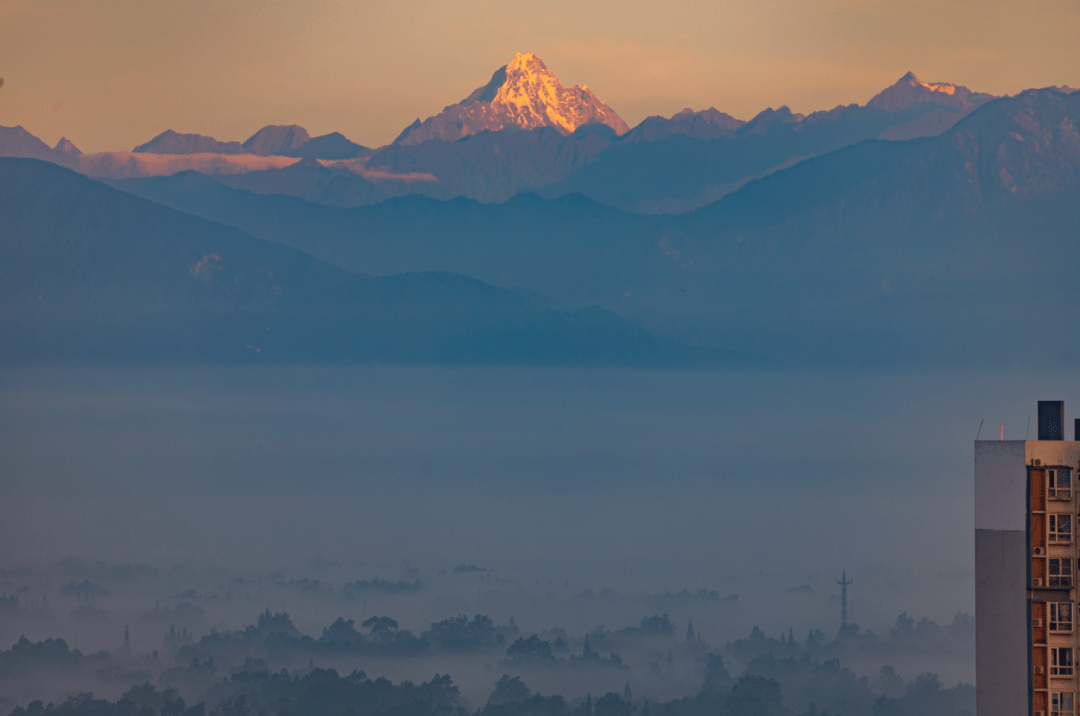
x=110 y=74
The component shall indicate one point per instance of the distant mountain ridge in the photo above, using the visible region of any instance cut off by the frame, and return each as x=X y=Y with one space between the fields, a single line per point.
x=708 y=124
x=942 y=249
x=910 y=91
x=88 y=273
x=17 y=142
x=277 y=139
x=272 y=140
x=662 y=166
x=947 y=105
x=170 y=142
x=524 y=94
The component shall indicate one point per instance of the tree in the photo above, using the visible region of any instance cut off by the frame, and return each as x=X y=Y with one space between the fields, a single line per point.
x=531 y=649
x=509 y=690
x=716 y=673
x=657 y=625
x=755 y=696
x=380 y=626
x=277 y=623
x=460 y=633
x=341 y=633
x=611 y=705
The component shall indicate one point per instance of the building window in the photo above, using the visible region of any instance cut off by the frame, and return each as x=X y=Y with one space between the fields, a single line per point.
x=1059 y=484
x=1061 y=616
x=1061 y=571
x=1061 y=704
x=1061 y=661
x=1060 y=529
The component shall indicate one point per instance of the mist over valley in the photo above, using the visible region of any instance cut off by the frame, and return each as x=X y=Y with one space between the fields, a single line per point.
x=531 y=411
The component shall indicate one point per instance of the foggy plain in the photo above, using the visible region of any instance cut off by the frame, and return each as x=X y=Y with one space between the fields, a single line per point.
x=622 y=485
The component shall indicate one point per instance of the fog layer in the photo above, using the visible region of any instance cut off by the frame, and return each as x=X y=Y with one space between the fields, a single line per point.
x=555 y=482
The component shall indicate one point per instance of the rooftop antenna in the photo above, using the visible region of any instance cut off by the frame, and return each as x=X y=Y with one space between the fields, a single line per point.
x=843 y=582
x=1001 y=433
x=980 y=429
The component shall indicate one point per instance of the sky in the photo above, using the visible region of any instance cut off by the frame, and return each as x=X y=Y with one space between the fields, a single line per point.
x=111 y=74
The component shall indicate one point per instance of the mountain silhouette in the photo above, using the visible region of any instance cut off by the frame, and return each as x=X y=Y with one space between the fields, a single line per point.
x=93 y=274
x=909 y=91
x=66 y=146
x=706 y=125
x=170 y=142
x=521 y=141
x=17 y=142
x=880 y=252
x=277 y=139
x=327 y=146
x=943 y=105
x=272 y=140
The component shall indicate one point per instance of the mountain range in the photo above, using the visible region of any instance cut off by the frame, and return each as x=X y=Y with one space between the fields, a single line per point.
x=933 y=225
x=526 y=131
x=273 y=140
x=89 y=273
x=881 y=244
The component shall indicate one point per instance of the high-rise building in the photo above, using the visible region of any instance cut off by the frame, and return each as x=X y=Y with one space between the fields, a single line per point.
x=1026 y=555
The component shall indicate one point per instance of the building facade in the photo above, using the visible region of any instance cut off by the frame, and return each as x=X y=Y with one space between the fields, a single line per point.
x=1026 y=557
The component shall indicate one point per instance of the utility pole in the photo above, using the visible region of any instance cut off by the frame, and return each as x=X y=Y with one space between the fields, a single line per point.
x=843 y=582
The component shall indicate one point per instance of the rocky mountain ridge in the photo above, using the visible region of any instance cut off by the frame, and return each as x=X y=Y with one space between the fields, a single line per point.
x=273 y=140
x=524 y=94
x=879 y=253
x=910 y=91
x=180 y=289
x=662 y=166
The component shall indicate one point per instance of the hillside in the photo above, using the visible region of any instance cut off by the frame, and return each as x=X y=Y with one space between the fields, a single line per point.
x=88 y=273
x=883 y=251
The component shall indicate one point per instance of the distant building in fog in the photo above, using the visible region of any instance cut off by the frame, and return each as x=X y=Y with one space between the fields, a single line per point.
x=1025 y=571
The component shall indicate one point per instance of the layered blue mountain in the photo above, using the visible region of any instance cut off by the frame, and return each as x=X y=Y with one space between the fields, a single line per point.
x=661 y=166
x=272 y=140
x=559 y=146
x=334 y=185
x=17 y=142
x=885 y=251
x=88 y=273
x=694 y=158
x=170 y=142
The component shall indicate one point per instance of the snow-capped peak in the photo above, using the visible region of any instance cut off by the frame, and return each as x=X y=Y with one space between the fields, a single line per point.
x=524 y=94
x=536 y=98
x=945 y=87
x=910 y=91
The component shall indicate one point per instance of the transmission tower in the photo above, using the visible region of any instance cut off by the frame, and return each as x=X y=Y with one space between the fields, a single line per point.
x=843 y=582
